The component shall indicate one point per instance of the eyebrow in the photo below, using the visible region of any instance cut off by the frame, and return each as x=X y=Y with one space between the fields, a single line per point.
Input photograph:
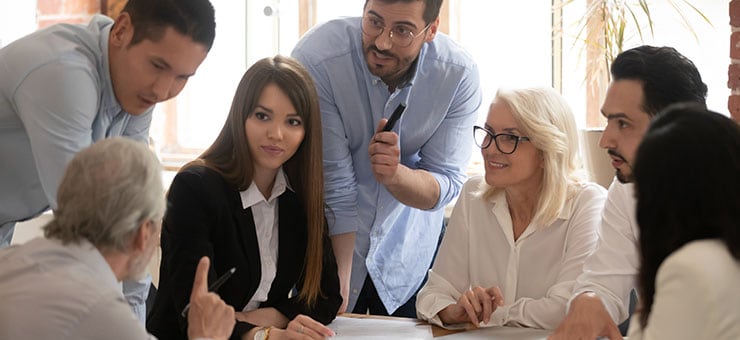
x=169 y=67
x=509 y=130
x=290 y=115
x=263 y=108
x=610 y=116
x=407 y=23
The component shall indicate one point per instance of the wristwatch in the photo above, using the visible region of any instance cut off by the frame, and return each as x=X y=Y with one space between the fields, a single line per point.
x=262 y=334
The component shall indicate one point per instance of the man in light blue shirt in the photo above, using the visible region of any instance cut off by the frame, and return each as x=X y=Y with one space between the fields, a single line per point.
x=386 y=191
x=67 y=86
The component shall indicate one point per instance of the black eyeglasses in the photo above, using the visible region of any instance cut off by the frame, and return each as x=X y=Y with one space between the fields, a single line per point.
x=400 y=35
x=505 y=142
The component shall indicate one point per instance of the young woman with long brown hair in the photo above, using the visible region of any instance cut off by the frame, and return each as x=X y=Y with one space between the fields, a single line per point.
x=254 y=201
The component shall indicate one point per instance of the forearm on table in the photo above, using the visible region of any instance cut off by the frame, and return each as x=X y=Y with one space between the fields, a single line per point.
x=264 y=317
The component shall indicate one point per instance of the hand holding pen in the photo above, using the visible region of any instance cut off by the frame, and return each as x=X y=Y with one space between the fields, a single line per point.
x=209 y=316
x=384 y=150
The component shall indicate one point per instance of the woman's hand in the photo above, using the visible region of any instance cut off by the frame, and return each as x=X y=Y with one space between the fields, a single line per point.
x=475 y=305
x=302 y=327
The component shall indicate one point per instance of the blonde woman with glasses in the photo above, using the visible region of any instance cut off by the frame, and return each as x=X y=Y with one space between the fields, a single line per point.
x=518 y=235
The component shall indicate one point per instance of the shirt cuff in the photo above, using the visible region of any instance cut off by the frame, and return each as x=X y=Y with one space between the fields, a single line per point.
x=500 y=316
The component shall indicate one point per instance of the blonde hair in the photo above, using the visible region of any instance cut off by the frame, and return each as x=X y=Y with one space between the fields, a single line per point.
x=544 y=116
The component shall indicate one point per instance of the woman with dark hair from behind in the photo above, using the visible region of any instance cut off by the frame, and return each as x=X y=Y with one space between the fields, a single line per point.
x=687 y=174
x=253 y=201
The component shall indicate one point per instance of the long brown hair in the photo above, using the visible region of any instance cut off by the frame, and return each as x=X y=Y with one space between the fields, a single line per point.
x=229 y=154
x=705 y=204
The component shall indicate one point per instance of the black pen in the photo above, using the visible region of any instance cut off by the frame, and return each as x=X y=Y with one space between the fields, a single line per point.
x=212 y=288
x=394 y=117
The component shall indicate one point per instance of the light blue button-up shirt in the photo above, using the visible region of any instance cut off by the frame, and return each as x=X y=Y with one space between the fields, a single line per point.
x=56 y=98
x=394 y=243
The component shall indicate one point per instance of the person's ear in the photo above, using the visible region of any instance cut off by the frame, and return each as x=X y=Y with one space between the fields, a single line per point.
x=143 y=235
x=432 y=31
x=542 y=159
x=122 y=31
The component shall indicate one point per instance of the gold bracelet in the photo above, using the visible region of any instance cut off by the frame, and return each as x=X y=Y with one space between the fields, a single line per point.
x=267 y=333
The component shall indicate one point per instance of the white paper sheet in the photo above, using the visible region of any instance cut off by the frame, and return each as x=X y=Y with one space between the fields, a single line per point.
x=372 y=328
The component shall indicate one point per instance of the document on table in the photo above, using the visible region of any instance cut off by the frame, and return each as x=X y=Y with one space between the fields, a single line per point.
x=508 y=333
x=372 y=328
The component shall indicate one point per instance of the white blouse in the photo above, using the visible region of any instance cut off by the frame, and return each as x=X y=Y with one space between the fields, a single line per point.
x=536 y=273
x=265 y=213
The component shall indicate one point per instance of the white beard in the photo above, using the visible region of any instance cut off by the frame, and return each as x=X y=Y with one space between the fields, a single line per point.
x=138 y=267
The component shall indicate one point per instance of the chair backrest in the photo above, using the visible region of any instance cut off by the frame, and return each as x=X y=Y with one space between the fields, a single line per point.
x=596 y=160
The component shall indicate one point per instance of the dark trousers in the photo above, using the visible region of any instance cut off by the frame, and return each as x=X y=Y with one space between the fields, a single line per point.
x=368 y=302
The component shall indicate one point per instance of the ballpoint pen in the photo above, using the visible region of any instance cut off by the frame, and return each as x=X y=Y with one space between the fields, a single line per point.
x=394 y=117
x=212 y=288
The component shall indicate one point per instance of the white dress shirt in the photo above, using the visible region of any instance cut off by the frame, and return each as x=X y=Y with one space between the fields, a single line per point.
x=265 y=213
x=697 y=296
x=535 y=273
x=611 y=270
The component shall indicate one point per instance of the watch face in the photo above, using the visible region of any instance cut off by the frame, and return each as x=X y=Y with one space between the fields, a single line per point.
x=260 y=335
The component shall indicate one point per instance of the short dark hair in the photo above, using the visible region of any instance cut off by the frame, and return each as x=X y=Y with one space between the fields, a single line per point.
x=194 y=18
x=699 y=198
x=431 y=8
x=667 y=76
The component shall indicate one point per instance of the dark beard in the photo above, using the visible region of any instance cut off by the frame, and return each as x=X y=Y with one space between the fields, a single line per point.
x=622 y=178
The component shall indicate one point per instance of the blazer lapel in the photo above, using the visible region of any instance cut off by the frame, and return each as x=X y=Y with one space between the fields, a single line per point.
x=292 y=238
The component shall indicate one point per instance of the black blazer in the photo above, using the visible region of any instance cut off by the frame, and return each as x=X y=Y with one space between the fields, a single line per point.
x=205 y=218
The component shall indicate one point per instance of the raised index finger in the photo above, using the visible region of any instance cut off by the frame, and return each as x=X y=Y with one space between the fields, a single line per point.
x=200 y=282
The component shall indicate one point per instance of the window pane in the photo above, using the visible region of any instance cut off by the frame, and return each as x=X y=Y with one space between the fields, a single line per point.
x=330 y=9
x=17 y=18
x=204 y=103
x=709 y=52
x=511 y=42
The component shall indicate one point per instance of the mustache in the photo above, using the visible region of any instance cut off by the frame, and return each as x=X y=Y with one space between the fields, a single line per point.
x=385 y=53
x=616 y=154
